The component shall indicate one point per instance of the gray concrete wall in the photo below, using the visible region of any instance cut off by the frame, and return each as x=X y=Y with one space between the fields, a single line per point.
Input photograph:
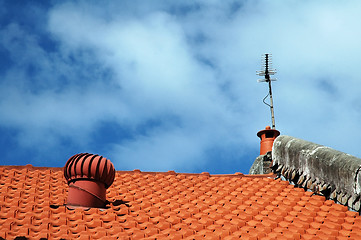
x=318 y=168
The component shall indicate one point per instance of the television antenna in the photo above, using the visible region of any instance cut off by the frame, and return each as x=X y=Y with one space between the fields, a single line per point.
x=267 y=62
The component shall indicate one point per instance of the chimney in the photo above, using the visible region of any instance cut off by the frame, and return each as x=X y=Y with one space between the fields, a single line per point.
x=267 y=137
x=88 y=177
x=263 y=163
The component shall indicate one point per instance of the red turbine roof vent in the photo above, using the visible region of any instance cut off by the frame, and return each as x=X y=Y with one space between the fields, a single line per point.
x=88 y=177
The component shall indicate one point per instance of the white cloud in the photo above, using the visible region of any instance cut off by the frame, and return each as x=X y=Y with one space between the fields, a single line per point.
x=190 y=68
x=159 y=75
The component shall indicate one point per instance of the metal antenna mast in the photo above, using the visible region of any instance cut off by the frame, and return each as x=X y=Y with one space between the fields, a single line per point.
x=266 y=73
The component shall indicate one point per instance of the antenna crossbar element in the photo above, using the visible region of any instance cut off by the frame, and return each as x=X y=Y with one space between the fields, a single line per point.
x=266 y=74
x=264 y=80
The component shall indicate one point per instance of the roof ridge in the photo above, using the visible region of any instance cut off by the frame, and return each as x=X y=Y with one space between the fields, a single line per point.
x=236 y=174
x=28 y=166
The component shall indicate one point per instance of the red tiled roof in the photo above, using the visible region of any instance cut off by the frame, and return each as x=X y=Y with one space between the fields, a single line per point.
x=170 y=205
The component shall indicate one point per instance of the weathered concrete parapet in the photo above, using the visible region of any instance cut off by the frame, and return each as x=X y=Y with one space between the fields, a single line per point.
x=318 y=168
x=262 y=164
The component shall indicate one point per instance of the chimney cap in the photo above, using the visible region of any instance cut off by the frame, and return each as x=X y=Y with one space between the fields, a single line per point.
x=86 y=166
x=275 y=132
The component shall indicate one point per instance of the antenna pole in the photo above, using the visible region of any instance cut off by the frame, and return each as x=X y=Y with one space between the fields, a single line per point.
x=271 y=106
x=266 y=73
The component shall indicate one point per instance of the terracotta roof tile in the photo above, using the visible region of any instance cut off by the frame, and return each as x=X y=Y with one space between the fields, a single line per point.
x=145 y=205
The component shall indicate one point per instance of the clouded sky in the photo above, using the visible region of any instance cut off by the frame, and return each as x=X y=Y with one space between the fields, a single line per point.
x=172 y=85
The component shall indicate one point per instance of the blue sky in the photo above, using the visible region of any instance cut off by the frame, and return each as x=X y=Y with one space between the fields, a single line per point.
x=172 y=85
